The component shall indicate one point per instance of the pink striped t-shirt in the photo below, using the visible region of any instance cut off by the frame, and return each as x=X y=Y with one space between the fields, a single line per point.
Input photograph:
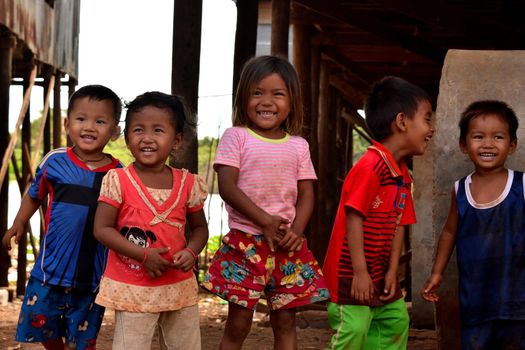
x=268 y=172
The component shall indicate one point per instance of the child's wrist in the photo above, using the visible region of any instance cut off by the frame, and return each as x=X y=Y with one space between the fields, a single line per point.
x=193 y=254
x=144 y=256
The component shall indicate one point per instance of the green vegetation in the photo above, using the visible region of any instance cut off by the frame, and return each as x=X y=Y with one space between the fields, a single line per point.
x=360 y=144
x=206 y=156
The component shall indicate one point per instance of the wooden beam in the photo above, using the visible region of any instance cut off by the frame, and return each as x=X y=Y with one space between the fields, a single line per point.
x=302 y=62
x=463 y=21
x=382 y=53
x=245 y=36
x=187 y=21
x=57 y=112
x=368 y=22
x=354 y=96
x=43 y=123
x=280 y=27
x=21 y=116
x=7 y=47
x=352 y=67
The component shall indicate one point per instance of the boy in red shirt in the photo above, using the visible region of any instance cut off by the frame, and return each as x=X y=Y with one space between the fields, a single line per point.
x=366 y=308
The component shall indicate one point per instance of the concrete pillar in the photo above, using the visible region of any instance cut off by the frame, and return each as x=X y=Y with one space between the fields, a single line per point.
x=467 y=76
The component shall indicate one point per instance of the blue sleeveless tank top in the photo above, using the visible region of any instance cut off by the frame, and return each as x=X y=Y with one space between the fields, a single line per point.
x=490 y=247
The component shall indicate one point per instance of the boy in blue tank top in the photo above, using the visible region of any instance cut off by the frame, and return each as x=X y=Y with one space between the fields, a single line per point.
x=486 y=224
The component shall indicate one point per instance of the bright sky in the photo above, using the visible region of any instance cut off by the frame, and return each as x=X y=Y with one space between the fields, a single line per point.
x=127 y=46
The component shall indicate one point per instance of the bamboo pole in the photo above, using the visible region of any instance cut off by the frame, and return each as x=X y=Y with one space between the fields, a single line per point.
x=38 y=139
x=21 y=116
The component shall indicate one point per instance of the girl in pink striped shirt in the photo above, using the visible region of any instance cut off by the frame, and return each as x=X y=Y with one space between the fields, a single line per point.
x=266 y=180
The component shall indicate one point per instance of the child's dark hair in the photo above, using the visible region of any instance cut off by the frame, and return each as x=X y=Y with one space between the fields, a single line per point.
x=390 y=96
x=99 y=93
x=160 y=100
x=485 y=107
x=255 y=70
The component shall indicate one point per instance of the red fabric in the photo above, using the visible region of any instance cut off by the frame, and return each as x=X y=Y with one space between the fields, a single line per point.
x=133 y=212
x=380 y=190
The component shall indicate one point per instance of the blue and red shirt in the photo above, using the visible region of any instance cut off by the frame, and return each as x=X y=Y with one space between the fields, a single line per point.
x=69 y=256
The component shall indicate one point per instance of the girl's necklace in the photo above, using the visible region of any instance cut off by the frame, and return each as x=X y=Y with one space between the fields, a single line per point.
x=88 y=160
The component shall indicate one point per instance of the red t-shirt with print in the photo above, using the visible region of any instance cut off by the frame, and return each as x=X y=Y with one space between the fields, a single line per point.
x=380 y=190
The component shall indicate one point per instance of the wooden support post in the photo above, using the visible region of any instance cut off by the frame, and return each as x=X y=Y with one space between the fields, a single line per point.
x=325 y=134
x=316 y=223
x=47 y=73
x=280 y=27
x=57 y=111
x=185 y=75
x=7 y=45
x=302 y=62
x=12 y=140
x=245 y=36
x=44 y=125
x=21 y=267
x=71 y=85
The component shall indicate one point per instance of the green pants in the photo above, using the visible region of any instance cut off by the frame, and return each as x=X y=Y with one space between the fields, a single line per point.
x=359 y=327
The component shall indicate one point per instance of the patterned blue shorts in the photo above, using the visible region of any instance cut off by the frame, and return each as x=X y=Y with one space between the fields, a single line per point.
x=51 y=312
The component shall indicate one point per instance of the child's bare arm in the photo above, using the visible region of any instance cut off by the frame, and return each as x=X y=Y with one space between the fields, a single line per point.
x=293 y=239
x=27 y=208
x=446 y=243
x=232 y=194
x=362 y=286
x=393 y=264
x=185 y=259
x=105 y=233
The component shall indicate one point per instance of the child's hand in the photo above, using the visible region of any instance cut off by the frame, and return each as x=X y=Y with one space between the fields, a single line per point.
x=429 y=291
x=290 y=241
x=15 y=230
x=362 y=288
x=183 y=260
x=155 y=264
x=271 y=230
x=390 y=285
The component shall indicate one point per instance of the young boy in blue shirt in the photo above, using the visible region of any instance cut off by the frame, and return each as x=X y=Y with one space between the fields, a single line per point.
x=486 y=224
x=60 y=294
x=366 y=308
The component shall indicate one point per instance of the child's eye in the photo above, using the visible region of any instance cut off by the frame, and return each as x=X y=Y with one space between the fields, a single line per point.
x=136 y=130
x=101 y=122
x=159 y=130
x=477 y=137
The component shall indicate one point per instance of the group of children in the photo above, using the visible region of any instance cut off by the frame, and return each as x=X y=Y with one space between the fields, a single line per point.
x=265 y=174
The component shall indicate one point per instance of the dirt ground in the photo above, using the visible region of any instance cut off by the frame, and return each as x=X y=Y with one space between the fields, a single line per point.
x=313 y=331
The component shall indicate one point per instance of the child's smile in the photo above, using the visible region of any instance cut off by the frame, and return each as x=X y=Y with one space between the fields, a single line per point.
x=151 y=136
x=269 y=106
x=488 y=142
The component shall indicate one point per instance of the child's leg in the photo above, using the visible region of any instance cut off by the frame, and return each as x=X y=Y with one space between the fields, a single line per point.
x=55 y=344
x=496 y=334
x=180 y=329
x=82 y=320
x=237 y=327
x=350 y=324
x=389 y=327
x=41 y=315
x=283 y=326
x=134 y=330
